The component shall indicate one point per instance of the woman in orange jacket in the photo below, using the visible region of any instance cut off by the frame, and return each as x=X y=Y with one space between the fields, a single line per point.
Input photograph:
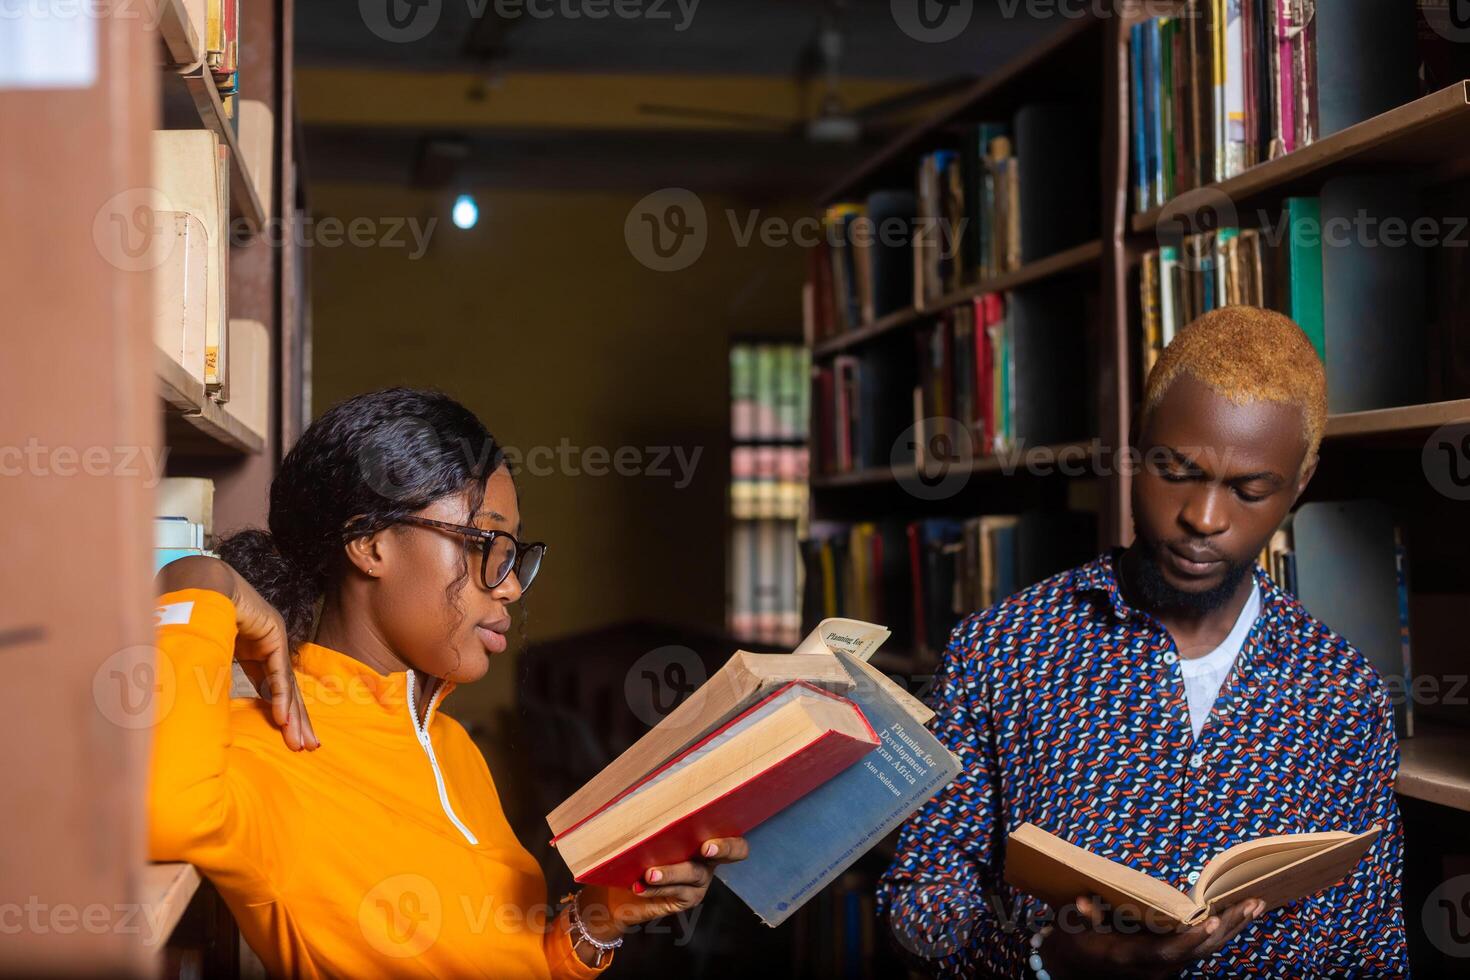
x=352 y=829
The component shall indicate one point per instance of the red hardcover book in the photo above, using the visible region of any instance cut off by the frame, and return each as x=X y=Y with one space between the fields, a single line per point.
x=916 y=577
x=784 y=781
x=984 y=421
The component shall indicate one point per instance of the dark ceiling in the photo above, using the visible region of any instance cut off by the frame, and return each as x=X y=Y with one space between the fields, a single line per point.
x=700 y=38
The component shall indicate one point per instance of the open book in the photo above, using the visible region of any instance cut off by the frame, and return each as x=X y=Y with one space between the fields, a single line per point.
x=1277 y=870
x=813 y=756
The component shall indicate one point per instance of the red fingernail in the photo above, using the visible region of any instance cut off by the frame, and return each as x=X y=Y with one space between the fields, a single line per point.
x=637 y=888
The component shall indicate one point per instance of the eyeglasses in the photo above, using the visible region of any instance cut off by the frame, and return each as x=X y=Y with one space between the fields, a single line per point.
x=500 y=552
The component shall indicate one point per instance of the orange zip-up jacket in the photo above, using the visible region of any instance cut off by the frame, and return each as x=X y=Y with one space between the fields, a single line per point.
x=383 y=853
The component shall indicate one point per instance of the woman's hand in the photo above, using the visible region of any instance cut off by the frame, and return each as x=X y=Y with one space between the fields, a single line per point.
x=1137 y=953
x=261 y=646
x=665 y=890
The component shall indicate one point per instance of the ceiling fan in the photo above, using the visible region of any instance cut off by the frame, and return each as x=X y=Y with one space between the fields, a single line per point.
x=834 y=121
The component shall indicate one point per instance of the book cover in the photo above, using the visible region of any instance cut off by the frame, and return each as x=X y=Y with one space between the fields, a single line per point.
x=1347 y=575
x=772 y=788
x=1374 y=297
x=810 y=843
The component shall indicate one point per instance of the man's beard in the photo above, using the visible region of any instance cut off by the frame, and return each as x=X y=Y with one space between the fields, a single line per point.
x=1155 y=592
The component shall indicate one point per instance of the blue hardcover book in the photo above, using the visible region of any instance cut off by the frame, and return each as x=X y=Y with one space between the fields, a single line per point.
x=800 y=850
x=1141 y=197
x=1154 y=72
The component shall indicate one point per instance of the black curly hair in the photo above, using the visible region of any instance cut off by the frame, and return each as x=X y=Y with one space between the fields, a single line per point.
x=363 y=465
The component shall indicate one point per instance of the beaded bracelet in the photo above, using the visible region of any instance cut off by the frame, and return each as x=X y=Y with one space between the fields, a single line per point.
x=581 y=931
x=1035 y=961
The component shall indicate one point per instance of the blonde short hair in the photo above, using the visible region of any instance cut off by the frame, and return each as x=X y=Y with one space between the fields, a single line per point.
x=1247 y=354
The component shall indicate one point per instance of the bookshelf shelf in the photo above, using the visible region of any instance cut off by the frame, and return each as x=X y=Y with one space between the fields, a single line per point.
x=1398 y=421
x=165 y=893
x=1424 y=132
x=192 y=99
x=1002 y=465
x=181 y=40
x=1089 y=253
x=1436 y=769
x=194 y=423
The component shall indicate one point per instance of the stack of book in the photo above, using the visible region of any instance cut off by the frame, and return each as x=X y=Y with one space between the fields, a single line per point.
x=1227 y=84
x=781 y=748
x=964 y=401
x=768 y=488
x=768 y=483
x=1005 y=194
x=1333 y=264
x=229 y=357
x=184 y=521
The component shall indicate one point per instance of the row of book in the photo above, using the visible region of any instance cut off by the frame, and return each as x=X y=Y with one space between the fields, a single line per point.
x=1227 y=84
x=922 y=577
x=763 y=595
x=1279 y=269
x=969 y=226
x=768 y=482
x=769 y=392
x=216 y=29
x=965 y=400
x=1004 y=194
x=988 y=375
x=1343 y=265
x=189 y=252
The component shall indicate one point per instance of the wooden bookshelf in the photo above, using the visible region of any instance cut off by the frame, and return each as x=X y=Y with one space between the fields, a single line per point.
x=1436 y=768
x=165 y=893
x=83 y=374
x=1372 y=453
x=1071 y=260
x=182 y=40
x=192 y=100
x=988 y=465
x=1407 y=420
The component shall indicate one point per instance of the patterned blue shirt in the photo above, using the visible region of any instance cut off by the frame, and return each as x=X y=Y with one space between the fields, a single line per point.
x=1066 y=708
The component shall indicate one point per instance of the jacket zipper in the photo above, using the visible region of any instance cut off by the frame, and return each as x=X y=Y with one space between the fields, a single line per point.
x=421 y=732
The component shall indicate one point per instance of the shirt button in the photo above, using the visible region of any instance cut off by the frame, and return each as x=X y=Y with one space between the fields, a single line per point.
x=1171 y=657
x=1192 y=877
x=1197 y=760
